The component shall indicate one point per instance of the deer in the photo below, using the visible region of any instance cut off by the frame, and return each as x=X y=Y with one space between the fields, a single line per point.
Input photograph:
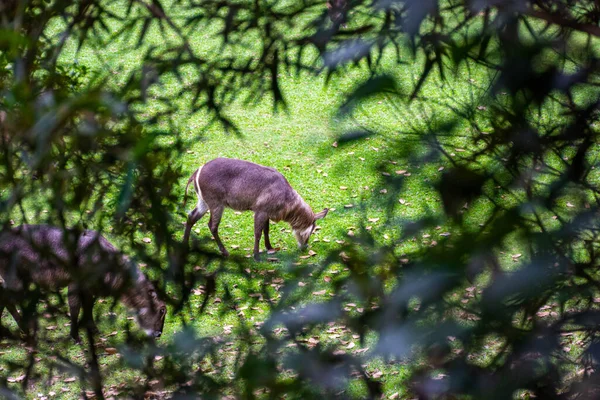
x=52 y=258
x=244 y=186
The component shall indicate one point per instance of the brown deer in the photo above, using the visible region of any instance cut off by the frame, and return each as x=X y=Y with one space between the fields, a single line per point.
x=85 y=262
x=242 y=185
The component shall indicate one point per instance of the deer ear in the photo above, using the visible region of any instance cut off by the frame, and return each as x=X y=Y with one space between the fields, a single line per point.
x=322 y=214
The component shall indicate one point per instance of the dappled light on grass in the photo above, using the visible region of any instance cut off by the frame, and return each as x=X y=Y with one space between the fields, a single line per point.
x=459 y=257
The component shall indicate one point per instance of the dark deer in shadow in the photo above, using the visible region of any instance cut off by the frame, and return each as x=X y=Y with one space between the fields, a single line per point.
x=51 y=258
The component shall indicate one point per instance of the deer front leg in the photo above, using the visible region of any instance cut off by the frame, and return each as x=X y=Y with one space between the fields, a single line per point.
x=267 y=241
x=259 y=225
x=213 y=225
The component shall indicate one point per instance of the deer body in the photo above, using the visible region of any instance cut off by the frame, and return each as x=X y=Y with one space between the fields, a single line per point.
x=245 y=186
x=88 y=264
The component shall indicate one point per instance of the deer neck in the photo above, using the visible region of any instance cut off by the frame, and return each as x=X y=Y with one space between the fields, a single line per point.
x=300 y=215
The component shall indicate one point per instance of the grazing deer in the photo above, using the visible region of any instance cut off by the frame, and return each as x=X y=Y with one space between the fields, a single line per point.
x=242 y=185
x=88 y=264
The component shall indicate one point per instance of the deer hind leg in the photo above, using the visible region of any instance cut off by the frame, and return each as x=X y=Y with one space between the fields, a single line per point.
x=194 y=216
x=26 y=325
x=74 y=309
x=4 y=332
x=215 y=219
x=15 y=314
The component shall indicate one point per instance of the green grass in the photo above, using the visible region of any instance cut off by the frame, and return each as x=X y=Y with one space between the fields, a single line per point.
x=299 y=143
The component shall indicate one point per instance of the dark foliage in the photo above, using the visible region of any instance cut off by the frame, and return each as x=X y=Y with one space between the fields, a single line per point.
x=69 y=141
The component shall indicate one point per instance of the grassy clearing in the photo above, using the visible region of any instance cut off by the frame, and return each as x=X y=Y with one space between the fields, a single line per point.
x=349 y=179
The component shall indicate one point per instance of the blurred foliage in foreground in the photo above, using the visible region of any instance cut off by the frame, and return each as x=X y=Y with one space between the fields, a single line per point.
x=70 y=142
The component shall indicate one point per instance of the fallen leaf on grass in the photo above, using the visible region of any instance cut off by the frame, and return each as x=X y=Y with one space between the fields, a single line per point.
x=69 y=380
x=16 y=379
x=147 y=240
x=401 y=172
x=377 y=374
x=349 y=206
x=111 y=350
x=543 y=314
x=272 y=259
x=343 y=187
x=373 y=219
x=351 y=345
x=320 y=292
x=51 y=328
x=312 y=253
x=516 y=255
x=335 y=144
